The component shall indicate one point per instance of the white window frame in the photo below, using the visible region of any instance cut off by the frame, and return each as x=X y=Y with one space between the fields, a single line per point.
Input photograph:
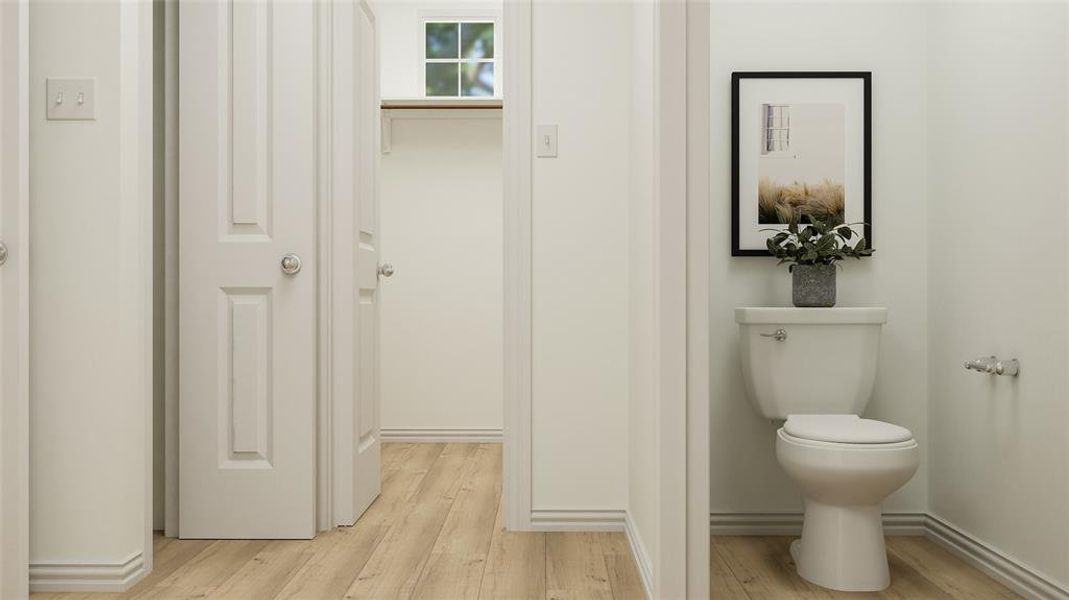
x=784 y=151
x=462 y=17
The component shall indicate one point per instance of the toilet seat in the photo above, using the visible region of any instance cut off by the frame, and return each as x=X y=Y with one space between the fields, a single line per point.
x=844 y=485
x=845 y=429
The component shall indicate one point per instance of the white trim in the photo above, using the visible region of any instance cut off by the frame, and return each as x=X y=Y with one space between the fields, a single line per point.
x=517 y=157
x=1001 y=567
x=135 y=264
x=418 y=110
x=670 y=273
x=642 y=558
x=426 y=114
x=386 y=135
x=64 y=576
x=998 y=565
x=698 y=388
x=791 y=523
x=442 y=434
x=562 y=519
x=454 y=103
x=327 y=496
x=14 y=228
x=170 y=268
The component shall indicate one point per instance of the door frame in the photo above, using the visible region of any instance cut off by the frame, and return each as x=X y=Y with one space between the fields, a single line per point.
x=692 y=32
x=517 y=276
x=517 y=155
x=14 y=396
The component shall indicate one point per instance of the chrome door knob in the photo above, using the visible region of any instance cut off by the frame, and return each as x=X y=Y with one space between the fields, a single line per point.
x=386 y=270
x=291 y=264
x=3 y=253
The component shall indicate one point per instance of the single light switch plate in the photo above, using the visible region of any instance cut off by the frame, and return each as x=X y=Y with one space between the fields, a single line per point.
x=546 y=140
x=70 y=99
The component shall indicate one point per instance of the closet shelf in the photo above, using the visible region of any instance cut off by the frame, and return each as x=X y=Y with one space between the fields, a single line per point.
x=441 y=103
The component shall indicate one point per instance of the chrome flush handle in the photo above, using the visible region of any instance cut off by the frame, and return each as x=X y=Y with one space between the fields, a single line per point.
x=779 y=335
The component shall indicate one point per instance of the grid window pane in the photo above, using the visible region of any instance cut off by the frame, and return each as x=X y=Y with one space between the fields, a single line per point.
x=442 y=40
x=477 y=79
x=477 y=40
x=442 y=79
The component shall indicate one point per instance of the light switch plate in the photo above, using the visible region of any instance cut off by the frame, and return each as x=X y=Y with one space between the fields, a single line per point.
x=70 y=99
x=546 y=140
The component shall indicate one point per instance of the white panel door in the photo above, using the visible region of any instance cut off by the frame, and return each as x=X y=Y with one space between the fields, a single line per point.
x=366 y=476
x=14 y=300
x=247 y=189
x=354 y=326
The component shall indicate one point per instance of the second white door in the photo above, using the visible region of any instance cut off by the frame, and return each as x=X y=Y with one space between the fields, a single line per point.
x=247 y=348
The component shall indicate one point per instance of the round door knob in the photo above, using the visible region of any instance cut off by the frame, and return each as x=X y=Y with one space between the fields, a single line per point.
x=386 y=270
x=291 y=264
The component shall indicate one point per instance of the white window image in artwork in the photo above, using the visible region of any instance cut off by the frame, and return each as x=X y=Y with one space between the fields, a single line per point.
x=460 y=58
x=777 y=129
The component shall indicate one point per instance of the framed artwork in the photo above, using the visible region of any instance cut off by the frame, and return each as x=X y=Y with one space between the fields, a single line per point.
x=801 y=149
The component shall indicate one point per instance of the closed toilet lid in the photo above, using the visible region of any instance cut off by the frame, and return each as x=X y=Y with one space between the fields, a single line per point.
x=844 y=429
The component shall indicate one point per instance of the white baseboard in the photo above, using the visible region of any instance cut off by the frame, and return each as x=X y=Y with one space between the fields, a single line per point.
x=441 y=434
x=1000 y=567
x=600 y=520
x=578 y=520
x=791 y=523
x=62 y=576
x=638 y=552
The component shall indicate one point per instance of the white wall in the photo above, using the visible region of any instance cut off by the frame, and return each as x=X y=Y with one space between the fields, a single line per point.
x=90 y=289
x=441 y=223
x=999 y=115
x=580 y=257
x=401 y=38
x=887 y=39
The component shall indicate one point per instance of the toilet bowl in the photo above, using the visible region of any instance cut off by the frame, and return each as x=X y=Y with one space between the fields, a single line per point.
x=845 y=467
x=814 y=370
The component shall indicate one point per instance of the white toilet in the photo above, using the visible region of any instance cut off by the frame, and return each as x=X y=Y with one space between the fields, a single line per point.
x=814 y=368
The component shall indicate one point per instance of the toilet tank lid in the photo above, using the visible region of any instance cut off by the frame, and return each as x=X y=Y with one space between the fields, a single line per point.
x=813 y=316
x=845 y=429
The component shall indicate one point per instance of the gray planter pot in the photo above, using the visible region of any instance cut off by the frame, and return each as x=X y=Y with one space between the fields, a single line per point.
x=814 y=285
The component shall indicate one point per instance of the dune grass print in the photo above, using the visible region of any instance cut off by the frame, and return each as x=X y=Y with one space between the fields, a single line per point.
x=800 y=201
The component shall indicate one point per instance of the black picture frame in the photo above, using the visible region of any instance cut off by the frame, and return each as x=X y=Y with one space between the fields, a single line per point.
x=736 y=79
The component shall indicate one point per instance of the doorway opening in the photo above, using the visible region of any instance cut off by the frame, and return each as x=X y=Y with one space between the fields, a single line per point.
x=406 y=357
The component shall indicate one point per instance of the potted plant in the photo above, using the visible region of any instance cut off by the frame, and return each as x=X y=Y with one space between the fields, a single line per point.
x=812 y=250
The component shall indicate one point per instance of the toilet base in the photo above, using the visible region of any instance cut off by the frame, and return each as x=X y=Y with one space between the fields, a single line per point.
x=842 y=548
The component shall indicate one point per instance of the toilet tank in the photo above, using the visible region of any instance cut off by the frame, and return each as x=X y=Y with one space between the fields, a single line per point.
x=809 y=360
